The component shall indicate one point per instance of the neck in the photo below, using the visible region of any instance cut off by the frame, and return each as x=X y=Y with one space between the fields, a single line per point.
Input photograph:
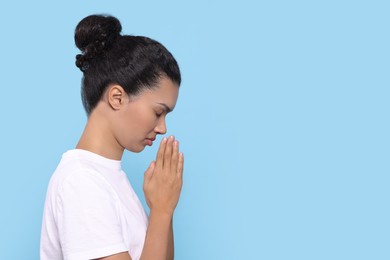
x=98 y=138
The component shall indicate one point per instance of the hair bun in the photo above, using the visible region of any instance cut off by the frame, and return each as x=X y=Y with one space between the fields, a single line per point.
x=93 y=35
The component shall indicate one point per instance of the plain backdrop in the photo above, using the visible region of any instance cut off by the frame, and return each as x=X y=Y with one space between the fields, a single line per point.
x=283 y=118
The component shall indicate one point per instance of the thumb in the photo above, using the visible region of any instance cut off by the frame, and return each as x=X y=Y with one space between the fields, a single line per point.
x=149 y=171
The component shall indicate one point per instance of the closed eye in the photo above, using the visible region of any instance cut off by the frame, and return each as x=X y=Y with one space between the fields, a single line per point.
x=159 y=112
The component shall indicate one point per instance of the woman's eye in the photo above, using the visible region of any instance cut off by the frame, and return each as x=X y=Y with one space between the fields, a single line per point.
x=158 y=114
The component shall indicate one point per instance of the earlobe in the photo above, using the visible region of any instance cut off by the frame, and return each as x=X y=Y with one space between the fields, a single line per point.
x=115 y=95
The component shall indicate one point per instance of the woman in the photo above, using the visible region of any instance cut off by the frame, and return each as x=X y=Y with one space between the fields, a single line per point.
x=130 y=84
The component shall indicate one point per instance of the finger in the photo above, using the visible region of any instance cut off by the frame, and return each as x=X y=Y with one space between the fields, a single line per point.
x=160 y=153
x=168 y=152
x=175 y=156
x=180 y=165
x=149 y=171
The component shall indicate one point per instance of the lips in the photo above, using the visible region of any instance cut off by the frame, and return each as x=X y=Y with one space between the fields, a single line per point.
x=149 y=141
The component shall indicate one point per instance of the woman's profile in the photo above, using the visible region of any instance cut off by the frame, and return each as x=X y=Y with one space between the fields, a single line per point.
x=130 y=84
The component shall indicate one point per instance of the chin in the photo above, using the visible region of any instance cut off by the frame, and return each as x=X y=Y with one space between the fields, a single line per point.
x=136 y=149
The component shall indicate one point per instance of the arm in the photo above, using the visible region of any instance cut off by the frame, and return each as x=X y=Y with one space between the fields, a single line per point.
x=162 y=187
x=171 y=248
x=157 y=242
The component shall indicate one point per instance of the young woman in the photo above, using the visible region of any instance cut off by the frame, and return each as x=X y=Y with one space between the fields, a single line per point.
x=130 y=84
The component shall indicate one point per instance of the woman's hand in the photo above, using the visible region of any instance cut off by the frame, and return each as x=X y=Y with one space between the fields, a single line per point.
x=163 y=178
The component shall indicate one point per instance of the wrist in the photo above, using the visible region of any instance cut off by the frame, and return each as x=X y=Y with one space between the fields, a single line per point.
x=164 y=214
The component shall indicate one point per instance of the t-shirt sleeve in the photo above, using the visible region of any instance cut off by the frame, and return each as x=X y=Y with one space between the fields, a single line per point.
x=87 y=217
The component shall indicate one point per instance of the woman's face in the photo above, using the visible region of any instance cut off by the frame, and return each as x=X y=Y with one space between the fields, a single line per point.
x=142 y=117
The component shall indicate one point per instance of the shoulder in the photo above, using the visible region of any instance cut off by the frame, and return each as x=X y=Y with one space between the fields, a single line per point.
x=80 y=179
x=75 y=175
x=78 y=183
x=85 y=182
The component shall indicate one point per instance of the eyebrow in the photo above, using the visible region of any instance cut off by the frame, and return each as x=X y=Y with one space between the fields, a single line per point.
x=167 y=108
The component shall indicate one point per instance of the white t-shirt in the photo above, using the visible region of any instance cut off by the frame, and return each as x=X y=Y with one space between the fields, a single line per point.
x=91 y=210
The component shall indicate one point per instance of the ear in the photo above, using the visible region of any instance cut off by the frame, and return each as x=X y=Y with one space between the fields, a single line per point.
x=116 y=96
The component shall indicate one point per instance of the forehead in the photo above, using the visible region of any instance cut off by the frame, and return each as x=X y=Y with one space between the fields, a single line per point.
x=166 y=92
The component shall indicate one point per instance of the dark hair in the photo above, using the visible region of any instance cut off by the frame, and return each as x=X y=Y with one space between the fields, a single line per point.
x=133 y=62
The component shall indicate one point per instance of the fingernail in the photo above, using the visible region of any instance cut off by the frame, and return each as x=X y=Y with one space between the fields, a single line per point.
x=172 y=137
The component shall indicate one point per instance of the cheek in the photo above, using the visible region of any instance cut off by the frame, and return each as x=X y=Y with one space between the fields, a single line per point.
x=143 y=121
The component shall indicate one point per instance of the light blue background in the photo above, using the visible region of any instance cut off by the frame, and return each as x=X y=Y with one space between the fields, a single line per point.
x=283 y=117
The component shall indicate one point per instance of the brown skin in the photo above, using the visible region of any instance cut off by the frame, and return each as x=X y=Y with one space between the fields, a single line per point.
x=119 y=122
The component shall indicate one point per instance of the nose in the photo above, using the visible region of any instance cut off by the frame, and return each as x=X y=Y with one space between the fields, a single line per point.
x=161 y=127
